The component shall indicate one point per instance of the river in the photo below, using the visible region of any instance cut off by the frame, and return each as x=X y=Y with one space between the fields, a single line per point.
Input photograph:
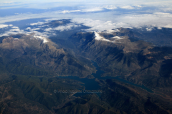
x=91 y=84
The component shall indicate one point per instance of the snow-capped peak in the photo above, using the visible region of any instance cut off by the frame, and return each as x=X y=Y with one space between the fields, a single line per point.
x=45 y=40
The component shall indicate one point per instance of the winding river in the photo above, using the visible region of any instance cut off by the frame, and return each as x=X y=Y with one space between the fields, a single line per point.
x=91 y=84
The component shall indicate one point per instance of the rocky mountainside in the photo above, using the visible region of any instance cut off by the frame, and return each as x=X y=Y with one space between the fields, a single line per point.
x=34 y=68
x=29 y=55
x=121 y=53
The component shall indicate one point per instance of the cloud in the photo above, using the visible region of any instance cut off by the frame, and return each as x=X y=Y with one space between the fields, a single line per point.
x=15 y=27
x=157 y=19
x=70 y=11
x=15 y=30
x=127 y=7
x=8 y=2
x=38 y=23
x=48 y=29
x=99 y=18
x=89 y=10
x=43 y=35
x=38 y=35
x=92 y=9
x=12 y=32
x=3 y=26
x=111 y=31
x=149 y=29
x=35 y=29
x=28 y=28
x=66 y=27
x=96 y=25
x=110 y=7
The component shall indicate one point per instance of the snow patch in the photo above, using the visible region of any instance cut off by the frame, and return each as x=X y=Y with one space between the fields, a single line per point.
x=98 y=37
x=117 y=37
x=112 y=40
x=45 y=40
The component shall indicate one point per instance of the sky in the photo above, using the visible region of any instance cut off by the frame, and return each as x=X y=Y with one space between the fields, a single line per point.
x=99 y=15
x=88 y=1
x=71 y=2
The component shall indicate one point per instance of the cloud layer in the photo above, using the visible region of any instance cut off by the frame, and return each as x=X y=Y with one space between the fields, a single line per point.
x=97 y=16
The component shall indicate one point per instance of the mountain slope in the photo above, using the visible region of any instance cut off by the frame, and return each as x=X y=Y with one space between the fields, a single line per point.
x=122 y=54
x=30 y=56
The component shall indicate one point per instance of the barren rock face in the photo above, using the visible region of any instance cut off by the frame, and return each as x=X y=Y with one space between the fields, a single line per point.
x=30 y=55
x=13 y=43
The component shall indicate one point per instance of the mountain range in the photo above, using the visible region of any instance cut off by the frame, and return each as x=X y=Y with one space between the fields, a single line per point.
x=33 y=66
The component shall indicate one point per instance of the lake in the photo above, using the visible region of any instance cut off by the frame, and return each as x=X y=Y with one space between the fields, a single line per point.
x=91 y=84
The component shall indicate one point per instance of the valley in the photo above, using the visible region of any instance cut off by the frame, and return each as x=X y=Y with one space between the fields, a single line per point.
x=131 y=74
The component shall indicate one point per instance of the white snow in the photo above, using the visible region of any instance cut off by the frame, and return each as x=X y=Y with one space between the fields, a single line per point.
x=98 y=37
x=45 y=40
x=117 y=37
